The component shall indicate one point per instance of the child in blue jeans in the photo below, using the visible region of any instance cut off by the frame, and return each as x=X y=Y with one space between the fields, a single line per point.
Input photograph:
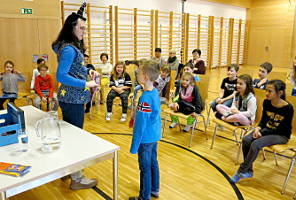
x=147 y=132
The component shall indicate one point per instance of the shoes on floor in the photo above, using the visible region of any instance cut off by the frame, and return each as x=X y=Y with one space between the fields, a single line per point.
x=173 y=125
x=108 y=116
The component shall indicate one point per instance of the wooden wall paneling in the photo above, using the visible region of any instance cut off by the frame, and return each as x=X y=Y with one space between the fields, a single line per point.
x=220 y=42
x=230 y=41
x=234 y=41
x=216 y=41
x=135 y=34
x=116 y=32
x=111 y=34
x=177 y=34
x=198 y=30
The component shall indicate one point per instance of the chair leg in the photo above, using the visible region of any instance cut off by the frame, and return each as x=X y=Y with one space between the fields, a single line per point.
x=90 y=110
x=275 y=158
x=208 y=118
x=180 y=128
x=238 y=153
x=214 y=136
x=288 y=175
x=205 y=126
x=192 y=132
x=164 y=125
x=264 y=155
x=235 y=136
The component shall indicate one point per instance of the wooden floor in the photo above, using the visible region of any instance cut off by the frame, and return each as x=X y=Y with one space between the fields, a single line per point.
x=195 y=173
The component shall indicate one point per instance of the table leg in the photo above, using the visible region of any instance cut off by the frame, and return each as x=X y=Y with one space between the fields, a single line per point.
x=115 y=176
x=3 y=196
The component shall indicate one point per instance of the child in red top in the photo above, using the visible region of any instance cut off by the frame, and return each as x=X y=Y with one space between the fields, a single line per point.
x=44 y=88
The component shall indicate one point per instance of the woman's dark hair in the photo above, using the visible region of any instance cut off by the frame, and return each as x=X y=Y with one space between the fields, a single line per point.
x=197 y=51
x=278 y=85
x=67 y=34
x=249 y=83
x=104 y=54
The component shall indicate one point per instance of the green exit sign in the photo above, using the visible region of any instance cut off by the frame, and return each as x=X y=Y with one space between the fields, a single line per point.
x=27 y=11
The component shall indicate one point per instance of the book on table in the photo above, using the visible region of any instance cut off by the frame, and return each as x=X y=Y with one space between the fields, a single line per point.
x=14 y=169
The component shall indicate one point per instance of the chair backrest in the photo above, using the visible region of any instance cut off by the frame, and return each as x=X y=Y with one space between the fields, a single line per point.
x=171 y=86
x=277 y=75
x=203 y=86
x=292 y=100
x=260 y=96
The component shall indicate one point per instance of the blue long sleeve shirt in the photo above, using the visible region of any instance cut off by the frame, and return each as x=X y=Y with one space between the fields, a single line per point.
x=147 y=127
x=67 y=56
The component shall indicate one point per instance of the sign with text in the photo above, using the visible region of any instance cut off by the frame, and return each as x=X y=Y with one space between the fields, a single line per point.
x=27 y=11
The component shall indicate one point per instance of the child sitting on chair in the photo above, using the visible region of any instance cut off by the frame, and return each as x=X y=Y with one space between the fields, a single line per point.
x=188 y=67
x=120 y=83
x=188 y=101
x=10 y=78
x=228 y=86
x=162 y=82
x=262 y=81
x=243 y=109
x=44 y=88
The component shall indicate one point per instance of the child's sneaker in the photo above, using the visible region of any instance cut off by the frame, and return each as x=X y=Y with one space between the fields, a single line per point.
x=123 y=118
x=187 y=128
x=108 y=116
x=237 y=176
x=173 y=125
x=155 y=194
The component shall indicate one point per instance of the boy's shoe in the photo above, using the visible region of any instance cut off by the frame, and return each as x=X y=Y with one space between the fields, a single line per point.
x=123 y=118
x=155 y=194
x=83 y=183
x=238 y=176
x=87 y=110
x=134 y=198
x=173 y=125
x=187 y=128
x=108 y=116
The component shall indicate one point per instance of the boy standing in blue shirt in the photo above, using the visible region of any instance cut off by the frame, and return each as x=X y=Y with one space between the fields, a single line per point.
x=147 y=132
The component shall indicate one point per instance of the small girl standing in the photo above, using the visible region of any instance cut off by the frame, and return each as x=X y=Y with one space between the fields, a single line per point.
x=243 y=109
x=120 y=83
x=275 y=127
x=9 y=80
x=188 y=101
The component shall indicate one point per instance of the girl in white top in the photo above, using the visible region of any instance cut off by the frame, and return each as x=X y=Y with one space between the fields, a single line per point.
x=106 y=68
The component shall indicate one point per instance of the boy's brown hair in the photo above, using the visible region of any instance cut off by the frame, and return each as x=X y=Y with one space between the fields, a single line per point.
x=233 y=66
x=166 y=69
x=267 y=66
x=42 y=66
x=151 y=69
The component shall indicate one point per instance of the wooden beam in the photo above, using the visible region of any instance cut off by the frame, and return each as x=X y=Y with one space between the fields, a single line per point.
x=116 y=33
x=135 y=34
x=89 y=31
x=151 y=32
x=171 y=31
x=156 y=28
x=230 y=41
x=239 y=40
x=111 y=34
x=220 y=41
x=63 y=12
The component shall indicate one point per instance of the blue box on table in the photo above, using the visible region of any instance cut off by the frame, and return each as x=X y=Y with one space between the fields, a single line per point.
x=12 y=124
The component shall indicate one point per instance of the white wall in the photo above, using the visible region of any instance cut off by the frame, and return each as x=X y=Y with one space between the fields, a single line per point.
x=191 y=6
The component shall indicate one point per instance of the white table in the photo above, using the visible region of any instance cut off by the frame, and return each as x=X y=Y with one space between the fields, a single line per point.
x=79 y=149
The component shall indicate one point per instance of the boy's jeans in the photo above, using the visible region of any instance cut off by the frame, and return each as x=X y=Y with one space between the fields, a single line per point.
x=149 y=175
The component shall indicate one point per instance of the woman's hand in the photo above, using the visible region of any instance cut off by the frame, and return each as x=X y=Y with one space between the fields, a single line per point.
x=219 y=100
x=91 y=84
